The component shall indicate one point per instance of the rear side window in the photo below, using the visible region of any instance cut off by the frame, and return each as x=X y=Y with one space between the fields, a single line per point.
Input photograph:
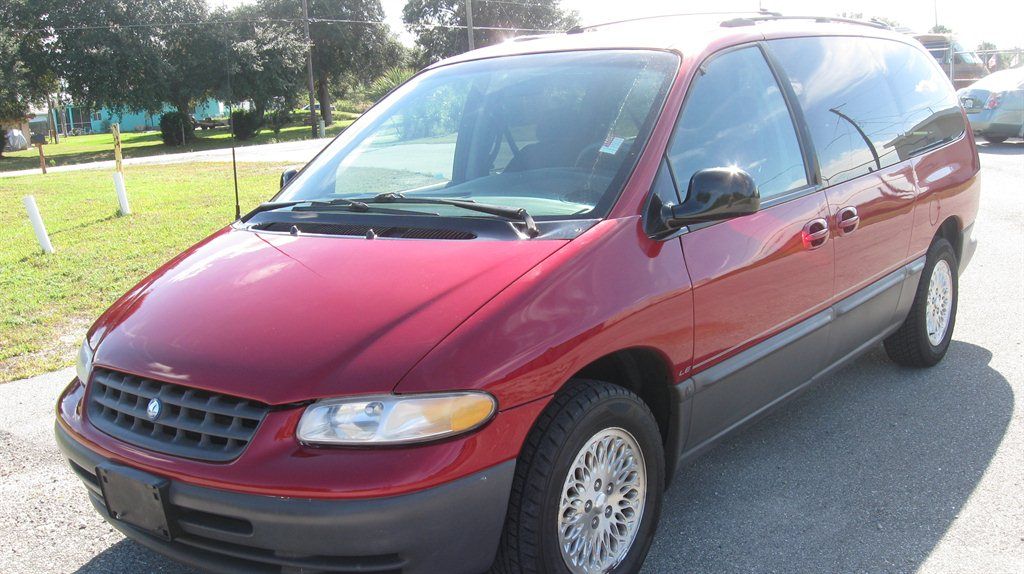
x=931 y=112
x=842 y=87
x=868 y=103
x=735 y=115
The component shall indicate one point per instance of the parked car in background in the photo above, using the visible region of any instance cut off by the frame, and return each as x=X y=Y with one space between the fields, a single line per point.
x=316 y=107
x=488 y=322
x=967 y=66
x=209 y=123
x=995 y=105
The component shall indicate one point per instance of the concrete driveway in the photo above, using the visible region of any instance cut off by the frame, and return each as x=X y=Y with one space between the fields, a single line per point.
x=298 y=152
x=879 y=469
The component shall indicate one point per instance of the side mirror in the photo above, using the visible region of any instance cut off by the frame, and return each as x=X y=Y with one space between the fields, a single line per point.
x=288 y=175
x=715 y=194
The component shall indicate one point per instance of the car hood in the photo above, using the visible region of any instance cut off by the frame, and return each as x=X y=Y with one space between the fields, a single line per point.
x=281 y=319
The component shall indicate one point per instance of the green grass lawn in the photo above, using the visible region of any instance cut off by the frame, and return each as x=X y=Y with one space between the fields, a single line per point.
x=47 y=301
x=100 y=147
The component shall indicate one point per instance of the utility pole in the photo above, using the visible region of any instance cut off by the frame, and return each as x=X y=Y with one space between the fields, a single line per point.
x=309 y=67
x=469 y=22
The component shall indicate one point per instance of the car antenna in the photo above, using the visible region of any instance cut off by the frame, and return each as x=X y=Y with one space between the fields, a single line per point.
x=234 y=164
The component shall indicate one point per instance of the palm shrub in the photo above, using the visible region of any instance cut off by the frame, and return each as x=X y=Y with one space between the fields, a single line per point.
x=389 y=80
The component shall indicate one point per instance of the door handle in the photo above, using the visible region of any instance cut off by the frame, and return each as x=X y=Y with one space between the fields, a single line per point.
x=815 y=233
x=847 y=220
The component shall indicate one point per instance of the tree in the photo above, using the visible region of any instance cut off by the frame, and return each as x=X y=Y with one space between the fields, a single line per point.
x=440 y=25
x=265 y=62
x=25 y=77
x=894 y=24
x=133 y=55
x=348 y=42
x=13 y=104
x=989 y=56
x=940 y=29
x=193 y=51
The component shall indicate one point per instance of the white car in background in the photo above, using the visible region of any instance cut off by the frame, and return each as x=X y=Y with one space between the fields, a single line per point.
x=995 y=105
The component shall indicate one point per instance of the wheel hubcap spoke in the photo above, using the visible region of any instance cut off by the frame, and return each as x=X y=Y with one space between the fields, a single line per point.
x=602 y=502
x=939 y=303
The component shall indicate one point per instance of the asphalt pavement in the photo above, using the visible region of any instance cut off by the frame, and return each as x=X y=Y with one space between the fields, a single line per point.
x=878 y=469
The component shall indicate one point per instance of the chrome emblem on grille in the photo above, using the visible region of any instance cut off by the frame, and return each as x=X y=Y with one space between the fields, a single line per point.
x=154 y=408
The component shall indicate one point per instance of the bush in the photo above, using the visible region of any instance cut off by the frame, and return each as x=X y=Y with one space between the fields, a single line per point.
x=245 y=123
x=278 y=119
x=176 y=128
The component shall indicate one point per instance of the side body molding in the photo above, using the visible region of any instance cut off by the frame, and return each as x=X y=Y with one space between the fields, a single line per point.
x=883 y=305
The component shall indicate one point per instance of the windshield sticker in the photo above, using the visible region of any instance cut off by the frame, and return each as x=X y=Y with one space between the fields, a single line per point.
x=611 y=145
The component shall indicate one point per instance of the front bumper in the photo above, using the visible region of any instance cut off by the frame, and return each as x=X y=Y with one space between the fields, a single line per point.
x=996 y=123
x=454 y=527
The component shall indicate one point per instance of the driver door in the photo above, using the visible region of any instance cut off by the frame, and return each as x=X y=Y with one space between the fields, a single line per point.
x=760 y=282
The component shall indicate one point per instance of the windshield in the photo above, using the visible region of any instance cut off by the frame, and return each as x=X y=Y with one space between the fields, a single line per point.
x=556 y=134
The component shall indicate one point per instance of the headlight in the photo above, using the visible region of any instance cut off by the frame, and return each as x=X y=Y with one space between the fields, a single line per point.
x=84 y=365
x=394 y=419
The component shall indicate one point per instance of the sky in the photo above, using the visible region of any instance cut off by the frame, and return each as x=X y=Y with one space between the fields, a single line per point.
x=997 y=21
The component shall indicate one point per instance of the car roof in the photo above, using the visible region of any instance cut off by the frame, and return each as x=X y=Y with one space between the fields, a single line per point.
x=686 y=34
x=934 y=38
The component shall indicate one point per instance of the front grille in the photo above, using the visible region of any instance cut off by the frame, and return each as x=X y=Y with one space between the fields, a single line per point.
x=358 y=230
x=192 y=423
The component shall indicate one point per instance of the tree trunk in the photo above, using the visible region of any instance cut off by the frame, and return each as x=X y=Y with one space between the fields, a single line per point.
x=261 y=111
x=324 y=95
x=3 y=141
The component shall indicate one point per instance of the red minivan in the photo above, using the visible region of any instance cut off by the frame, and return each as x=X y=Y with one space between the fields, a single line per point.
x=483 y=327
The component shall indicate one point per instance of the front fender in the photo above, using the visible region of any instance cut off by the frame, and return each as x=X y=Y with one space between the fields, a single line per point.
x=610 y=289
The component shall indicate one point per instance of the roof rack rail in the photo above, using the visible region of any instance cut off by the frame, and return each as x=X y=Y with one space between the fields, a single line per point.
x=583 y=28
x=750 y=21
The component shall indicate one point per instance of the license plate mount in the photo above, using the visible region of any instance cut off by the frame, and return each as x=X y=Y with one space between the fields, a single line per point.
x=136 y=498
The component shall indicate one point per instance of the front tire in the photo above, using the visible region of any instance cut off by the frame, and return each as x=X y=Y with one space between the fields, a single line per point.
x=994 y=139
x=924 y=337
x=587 y=493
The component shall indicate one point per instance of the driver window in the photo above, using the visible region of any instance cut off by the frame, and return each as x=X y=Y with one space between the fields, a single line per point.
x=735 y=115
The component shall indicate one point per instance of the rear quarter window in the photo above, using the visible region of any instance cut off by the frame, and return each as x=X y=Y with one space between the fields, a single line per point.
x=869 y=103
x=929 y=106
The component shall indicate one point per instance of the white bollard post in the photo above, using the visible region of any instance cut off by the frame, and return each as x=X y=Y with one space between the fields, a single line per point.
x=37 y=224
x=323 y=129
x=122 y=195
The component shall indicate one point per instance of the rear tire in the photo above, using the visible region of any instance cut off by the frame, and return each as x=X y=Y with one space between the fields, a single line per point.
x=994 y=139
x=548 y=508
x=924 y=337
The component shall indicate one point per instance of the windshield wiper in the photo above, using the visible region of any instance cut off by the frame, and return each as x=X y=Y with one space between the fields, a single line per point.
x=513 y=213
x=351 y=204
x=272 y=205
